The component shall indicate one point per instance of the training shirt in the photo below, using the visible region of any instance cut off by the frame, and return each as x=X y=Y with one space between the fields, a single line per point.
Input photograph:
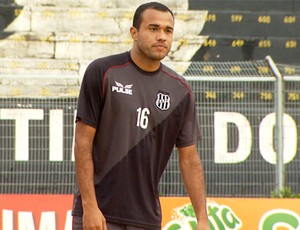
x=138 y=116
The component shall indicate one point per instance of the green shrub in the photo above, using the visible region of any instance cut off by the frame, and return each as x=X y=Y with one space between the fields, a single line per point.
x=286 y=192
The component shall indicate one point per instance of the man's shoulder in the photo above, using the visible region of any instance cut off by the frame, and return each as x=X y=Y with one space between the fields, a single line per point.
x=172 y=73
x=107 y=62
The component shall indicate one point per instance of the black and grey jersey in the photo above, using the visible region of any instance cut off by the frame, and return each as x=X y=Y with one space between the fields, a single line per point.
x=139 y=117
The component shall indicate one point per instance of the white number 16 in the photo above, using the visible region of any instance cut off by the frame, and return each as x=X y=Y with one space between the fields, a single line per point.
x=142 y=118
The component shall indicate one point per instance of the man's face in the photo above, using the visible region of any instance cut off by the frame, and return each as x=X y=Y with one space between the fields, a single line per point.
x=155 y=35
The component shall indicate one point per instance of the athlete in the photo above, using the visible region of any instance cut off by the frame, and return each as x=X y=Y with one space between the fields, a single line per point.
x=132 y=111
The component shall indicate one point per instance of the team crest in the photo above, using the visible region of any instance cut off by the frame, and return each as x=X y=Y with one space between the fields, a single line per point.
x=163 y=101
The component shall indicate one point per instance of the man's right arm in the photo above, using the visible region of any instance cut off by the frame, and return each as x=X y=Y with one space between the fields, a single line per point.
x=84 y=137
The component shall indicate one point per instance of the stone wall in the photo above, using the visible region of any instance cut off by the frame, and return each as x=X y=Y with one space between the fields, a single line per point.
x=56 y=39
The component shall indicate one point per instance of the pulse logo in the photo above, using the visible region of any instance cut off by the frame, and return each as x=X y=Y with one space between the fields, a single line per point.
x=119 y=88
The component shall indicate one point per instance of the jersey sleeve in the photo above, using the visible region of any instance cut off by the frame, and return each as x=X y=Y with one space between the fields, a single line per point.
x=190 y=130
x=89 y=102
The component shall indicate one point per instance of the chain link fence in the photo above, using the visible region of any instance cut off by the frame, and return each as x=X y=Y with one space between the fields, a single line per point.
x=236 y=105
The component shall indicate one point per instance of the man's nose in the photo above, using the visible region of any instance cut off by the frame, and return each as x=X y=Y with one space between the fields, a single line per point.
x=161 y=35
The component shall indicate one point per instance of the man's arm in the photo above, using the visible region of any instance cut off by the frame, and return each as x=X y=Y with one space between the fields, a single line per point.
x=193 y=178
x=84 y=137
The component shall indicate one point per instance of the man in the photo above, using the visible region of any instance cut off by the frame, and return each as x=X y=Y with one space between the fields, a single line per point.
x=132 y=110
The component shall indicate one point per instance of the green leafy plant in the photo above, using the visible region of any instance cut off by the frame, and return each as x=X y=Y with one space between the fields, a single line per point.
x=286 y=192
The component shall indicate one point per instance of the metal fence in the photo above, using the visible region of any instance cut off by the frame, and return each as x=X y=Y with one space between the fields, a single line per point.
x=36 y=141
x=236 y=104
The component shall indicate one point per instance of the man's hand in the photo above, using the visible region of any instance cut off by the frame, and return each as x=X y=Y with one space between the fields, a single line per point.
x=203 y=226
x=93 y=219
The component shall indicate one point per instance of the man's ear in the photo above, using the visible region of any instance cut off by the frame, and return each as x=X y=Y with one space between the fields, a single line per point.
x=134 y=33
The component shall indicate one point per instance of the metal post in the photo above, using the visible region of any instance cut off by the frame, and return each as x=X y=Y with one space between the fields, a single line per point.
x=279 y=123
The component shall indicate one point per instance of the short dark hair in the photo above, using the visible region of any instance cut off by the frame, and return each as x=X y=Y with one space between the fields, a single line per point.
x=137 y=18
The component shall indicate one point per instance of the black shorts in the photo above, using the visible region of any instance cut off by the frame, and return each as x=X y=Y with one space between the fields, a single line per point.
x=77 y=225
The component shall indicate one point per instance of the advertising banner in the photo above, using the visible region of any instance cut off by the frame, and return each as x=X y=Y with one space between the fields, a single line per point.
x=234 y=213
x=32 y=212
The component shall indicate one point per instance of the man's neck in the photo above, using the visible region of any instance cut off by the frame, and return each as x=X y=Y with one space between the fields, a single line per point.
x=144 y=63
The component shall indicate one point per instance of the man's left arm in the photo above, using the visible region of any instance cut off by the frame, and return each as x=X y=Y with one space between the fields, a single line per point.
x=193 y=178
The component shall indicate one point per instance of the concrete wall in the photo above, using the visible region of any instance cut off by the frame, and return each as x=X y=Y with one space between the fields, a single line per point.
x=51 y=38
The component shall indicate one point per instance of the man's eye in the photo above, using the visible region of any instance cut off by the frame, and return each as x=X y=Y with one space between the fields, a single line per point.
x=153 y=29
